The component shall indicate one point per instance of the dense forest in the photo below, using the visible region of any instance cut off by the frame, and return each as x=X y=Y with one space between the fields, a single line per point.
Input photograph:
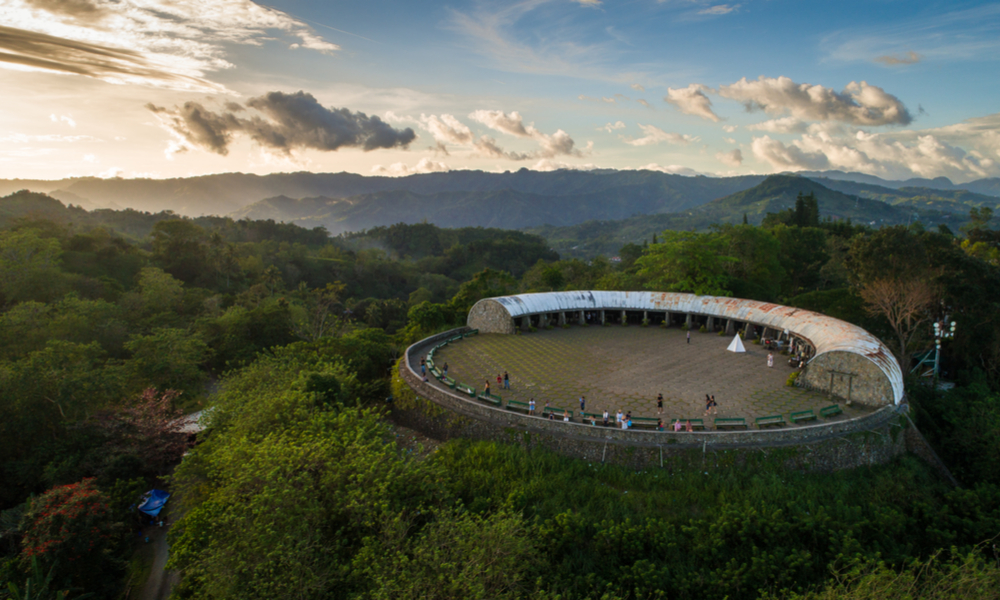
x=116 y=323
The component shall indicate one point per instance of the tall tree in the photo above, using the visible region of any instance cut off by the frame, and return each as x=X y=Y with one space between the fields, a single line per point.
x=906 y=305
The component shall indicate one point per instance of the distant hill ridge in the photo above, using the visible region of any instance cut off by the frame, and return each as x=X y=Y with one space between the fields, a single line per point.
x=227 y=193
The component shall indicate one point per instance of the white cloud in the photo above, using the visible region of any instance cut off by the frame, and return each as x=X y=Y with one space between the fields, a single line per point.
x=859 y=103
x=730 y=128
x=888 y=155
x=729 y=140
x=63 y=119
x=399 y=169
x=20 y=138
x=719 y=9
x=895 y=60
x=446 y=129
x=91 y=158
x=784 y=157
x=692 y=101
x=671 y=169
x=654 y=135
x=550 y=145
x=638 y=87
x=733 y=158
x=612 y=126
x=644 y=103
x=782 y=125
x=548 y=164
x=161 y=43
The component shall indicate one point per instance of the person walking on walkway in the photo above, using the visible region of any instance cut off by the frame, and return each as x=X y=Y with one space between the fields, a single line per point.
x=506 y=381
x=659 y=404
x=770 y=359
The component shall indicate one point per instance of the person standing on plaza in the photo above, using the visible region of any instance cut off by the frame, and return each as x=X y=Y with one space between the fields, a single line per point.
x=499 y=380
x=445 y=369
x=770 y=359
x=487 y=389
x=659 y=404
x=506 y=381
x=531 y=407
x=606 y=417
x=715 y=406
x=689 y=336
x=583 y=403
x=618 y=417
x=708 y=404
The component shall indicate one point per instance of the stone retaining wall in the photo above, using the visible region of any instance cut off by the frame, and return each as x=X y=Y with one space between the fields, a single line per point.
x=444 y=414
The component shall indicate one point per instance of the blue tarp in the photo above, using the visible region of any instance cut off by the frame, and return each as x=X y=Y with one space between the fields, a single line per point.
x=153 y=501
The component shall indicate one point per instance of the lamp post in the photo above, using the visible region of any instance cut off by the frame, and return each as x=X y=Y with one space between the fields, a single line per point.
x=942 y=331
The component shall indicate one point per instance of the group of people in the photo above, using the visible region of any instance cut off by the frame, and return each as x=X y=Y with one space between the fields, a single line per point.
x=423 y=368
x=503 y=382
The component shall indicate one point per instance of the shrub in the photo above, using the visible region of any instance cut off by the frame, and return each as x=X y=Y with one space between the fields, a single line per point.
x=685 y=326
x=664 y=325
x=703 y=329
x=565 y=325
x=793 y=378
x=645 y=322
x=532 y=328
x=722 y=332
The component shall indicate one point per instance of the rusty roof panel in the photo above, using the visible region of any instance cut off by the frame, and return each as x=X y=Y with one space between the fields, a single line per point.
x=825 y=333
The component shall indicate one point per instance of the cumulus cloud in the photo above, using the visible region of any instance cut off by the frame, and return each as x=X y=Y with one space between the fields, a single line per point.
x=654 y=135
x=692 y=101
x=733 y=159
x=612 y=126
x=282 y=122
x=550 y=145
x=399 y=169
x=894 y=60
x=446 y=129
x=782 y=125
x=162 y=43
x=858 y=104
x=891 y=156
x=790 y=157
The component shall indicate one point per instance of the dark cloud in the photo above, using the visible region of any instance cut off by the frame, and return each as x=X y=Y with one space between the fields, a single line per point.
x=284 y=122
x=51 y=53
x=80 y=10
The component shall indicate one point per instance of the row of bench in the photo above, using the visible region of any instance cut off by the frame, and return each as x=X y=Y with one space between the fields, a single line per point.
x=598 y=418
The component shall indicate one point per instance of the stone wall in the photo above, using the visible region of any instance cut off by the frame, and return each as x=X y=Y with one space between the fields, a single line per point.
x=854 y=378
x=490 y=317
x=443 y=414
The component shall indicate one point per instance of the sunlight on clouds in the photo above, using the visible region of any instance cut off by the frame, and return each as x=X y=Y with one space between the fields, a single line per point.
x=399 y=169
x=692 y=101
x=161 y=43
x=654 y=135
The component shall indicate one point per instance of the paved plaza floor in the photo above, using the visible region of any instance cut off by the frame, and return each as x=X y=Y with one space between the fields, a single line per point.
x=626 y=367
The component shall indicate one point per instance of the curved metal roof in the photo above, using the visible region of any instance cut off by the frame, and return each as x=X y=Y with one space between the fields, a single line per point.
x=826 y=334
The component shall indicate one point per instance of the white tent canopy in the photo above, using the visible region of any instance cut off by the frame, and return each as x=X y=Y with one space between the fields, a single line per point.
x=736 y=345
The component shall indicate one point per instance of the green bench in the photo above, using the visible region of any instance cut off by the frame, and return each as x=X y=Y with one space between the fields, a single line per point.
x=555 y=410
x=461 y=387
x=802 y=415
x=830 y=411
x=495 y=400
x=696 y=424
x=645 y=422
x=771 y=420
x=448 y=381
x=471 y=332
x=598 y=418
x=436 y=373
x=730 y=423
x=515 y=405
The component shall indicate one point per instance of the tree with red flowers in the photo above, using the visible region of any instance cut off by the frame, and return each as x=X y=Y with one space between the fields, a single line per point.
x=71 y=528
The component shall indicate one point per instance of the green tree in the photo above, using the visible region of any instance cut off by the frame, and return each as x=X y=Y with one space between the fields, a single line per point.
x=179 y=247
x=687 y=262
x=25 y=256
x=167 y=359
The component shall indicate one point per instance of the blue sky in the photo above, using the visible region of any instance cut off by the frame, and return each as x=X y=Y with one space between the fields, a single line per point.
x=166 y=88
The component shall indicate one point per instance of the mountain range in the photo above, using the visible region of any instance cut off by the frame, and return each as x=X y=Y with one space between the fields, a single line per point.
x=614 y=194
